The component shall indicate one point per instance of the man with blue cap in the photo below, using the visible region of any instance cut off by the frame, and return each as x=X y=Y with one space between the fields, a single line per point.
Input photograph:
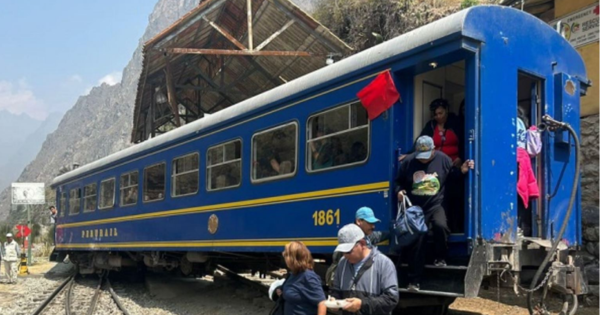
x=365 y=219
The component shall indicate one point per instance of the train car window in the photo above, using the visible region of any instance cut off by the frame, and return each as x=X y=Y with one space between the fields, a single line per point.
x=154 y=182
x=129 y=188
x=337 y=137
x=185 y=177
x=74 y=201
x=89 y=197
x=63 y=204
x=274 y=153
x=224 y=166
x=107 y=194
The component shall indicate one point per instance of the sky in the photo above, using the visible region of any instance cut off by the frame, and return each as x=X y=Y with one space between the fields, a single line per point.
x=52 y=52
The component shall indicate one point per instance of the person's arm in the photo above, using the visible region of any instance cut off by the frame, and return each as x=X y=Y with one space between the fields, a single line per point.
x=386 y=301
x=400 y=179
x=313 y=291
x=378 y=236
x=322 y=309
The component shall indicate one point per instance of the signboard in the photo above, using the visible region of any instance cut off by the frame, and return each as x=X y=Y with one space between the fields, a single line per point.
x=579 y=28
x=23 y=230
x=28 y=194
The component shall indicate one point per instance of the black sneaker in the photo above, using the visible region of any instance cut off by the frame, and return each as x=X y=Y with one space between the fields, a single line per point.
x=413 y=287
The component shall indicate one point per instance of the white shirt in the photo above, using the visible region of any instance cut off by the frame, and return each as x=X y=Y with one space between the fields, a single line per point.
x=12 y=251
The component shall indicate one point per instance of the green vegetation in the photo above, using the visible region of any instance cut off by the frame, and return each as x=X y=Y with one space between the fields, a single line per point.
x=468 y=3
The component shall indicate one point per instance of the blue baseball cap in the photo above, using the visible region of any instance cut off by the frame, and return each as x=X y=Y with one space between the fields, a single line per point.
x=366 y=213
x=424 y=147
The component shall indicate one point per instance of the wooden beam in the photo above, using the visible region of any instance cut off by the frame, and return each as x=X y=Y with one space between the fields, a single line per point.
x=206 y=89
x=272 y=37
x=171 y=92
x=249 y=7
x=200 y=51
x=209 y=6
x=226 y=34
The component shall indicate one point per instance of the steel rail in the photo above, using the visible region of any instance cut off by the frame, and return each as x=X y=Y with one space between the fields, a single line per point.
x=116 y=298
x=52 y=296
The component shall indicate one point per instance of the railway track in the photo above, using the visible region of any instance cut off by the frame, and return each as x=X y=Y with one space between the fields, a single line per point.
x=77 y=297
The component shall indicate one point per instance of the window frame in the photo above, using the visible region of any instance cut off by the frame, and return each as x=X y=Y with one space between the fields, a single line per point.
x=79 y=207
x=308 y=130
x=173 y=175
x=114 y=193
x=62 y=203
x=277 y=177
x=241 y=159
x=121 y=189
x=84 y=197
x=144 y=182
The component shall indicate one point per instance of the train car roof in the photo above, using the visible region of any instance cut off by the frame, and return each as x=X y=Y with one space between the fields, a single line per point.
x=471 y=23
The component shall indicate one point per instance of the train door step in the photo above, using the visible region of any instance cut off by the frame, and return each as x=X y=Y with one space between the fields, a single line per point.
x=436 y=280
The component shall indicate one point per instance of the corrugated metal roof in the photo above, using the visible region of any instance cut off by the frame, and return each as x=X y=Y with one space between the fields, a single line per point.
x=207 y=83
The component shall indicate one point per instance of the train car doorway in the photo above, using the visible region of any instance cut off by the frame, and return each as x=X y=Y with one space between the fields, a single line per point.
x=439 y=98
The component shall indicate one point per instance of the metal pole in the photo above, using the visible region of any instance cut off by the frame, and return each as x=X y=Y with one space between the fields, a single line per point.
x=29 y=236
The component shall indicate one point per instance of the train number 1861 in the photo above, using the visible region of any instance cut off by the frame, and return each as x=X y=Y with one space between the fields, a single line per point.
x=322 y=217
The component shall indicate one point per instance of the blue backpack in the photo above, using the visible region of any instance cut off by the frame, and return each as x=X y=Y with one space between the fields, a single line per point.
x=410 y=223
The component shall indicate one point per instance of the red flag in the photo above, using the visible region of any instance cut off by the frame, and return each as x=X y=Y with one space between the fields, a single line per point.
x=379 y=95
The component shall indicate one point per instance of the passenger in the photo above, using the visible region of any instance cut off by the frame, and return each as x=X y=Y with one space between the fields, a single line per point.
x=524 y=217
x=53 y=214
x=365 y=278
x=445 y=130
x=321 y=151
x=365 y=219
x=302 y=291
x=12 y=252
x=339 y=156
x=422 y=176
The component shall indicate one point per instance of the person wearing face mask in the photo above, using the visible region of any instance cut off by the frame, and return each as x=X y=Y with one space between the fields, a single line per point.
x=445 y=130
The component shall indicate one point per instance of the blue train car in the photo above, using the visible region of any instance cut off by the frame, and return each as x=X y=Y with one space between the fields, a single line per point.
x=235 y=187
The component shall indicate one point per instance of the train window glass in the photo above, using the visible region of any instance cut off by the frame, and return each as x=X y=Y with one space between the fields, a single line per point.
x=129 y=188
x=274 y=153
x=74 y=201
x=63 y=204
x=154 y=182
x=224 y=166
x=89 y=197
x=185 y=175
x=337 y=137
x=107 y=194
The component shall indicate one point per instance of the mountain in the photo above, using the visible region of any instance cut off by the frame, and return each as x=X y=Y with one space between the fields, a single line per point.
x=14 y=129
x=26 y=144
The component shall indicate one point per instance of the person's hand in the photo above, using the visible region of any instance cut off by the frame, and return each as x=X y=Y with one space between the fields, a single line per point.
x=353 y=305
x=401 y=157
x=467 y=165
x=401 y=195
x=278 y=291
x=457 y=162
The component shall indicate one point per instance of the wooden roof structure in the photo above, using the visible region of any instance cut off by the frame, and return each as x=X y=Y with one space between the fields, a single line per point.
x=223 y=52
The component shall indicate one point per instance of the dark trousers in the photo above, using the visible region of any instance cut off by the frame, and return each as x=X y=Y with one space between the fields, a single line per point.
x=416 y=252
x=524 y=216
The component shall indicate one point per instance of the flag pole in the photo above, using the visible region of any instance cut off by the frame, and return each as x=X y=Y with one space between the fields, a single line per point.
x=28 y=236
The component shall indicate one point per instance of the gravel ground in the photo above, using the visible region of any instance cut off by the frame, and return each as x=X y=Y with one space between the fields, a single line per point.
x=206 y=296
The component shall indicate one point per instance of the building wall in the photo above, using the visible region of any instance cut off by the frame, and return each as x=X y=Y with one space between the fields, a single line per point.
x=589 y=103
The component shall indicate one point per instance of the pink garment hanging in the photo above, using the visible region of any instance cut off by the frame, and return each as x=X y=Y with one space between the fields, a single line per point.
x=527 y=186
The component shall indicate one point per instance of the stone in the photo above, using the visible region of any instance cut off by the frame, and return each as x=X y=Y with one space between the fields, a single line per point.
x=593 y=290
x=590 y=301
x=592 y=248
x=592 y=272
x=585 y=257
x=590 y=234
x=590 y=215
